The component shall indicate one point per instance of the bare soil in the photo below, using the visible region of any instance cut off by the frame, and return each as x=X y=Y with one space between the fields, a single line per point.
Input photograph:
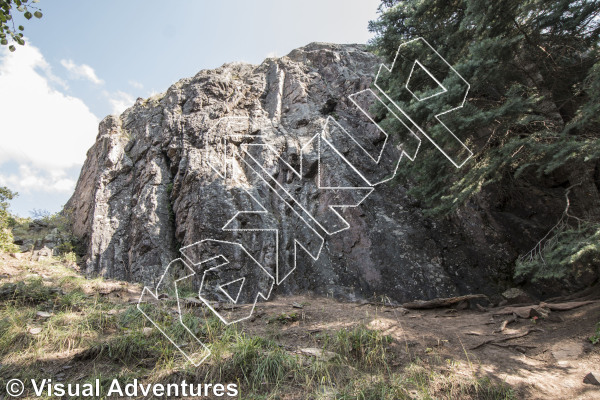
x=550 y=362
x=543 y=358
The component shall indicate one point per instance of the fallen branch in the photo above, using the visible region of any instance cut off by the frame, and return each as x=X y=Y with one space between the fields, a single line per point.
x=541 y=309
x=566 y=306
x=379 y=304
x=504 y=339
x=441 y=302
x=591 y=293
x=481 y=308
x=376 y=303
x=230 y=307
x=523 y=312
x=506 y=322
x=506 y=345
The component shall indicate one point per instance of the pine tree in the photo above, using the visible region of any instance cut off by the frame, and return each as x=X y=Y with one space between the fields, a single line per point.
x=533 y=108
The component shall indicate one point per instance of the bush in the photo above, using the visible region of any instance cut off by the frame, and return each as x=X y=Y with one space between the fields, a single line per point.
x=595 y=338
x=365 y=346
x=6 y=221
x=566 y=250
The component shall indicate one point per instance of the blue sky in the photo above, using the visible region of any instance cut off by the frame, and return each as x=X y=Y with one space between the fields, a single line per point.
x=86 y=59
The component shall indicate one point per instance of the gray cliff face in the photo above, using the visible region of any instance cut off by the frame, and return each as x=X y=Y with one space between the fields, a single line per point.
x=147 y=187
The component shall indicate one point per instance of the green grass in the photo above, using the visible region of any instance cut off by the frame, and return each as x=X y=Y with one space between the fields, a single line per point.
x=379 y=390
x=130 y=349
x=595 y=338
x=260 y=363
x=13 y=336
x=284 y=318
x=366 y=347
x=116 y=340
x=447 y=384
x=32 y=291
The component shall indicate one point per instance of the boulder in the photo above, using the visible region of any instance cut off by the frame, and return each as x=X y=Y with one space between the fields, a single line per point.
x=156 y=181
x=517 y=296
x=592 y=379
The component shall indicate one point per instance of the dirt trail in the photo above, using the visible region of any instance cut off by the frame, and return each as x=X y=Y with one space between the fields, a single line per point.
x=548 y=363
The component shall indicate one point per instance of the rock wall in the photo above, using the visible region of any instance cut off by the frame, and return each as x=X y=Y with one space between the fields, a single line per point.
x=149 y=187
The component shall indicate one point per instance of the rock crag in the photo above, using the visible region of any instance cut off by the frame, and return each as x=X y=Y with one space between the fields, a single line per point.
x=147 y=188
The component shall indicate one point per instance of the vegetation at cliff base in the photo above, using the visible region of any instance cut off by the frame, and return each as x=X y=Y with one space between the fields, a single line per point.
x=7 y=221
x=56 y=324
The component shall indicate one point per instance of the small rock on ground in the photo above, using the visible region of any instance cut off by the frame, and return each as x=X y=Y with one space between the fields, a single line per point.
x=592 y=379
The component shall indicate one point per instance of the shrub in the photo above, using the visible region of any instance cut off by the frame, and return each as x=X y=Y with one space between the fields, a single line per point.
x=595 y=338
x=6 y=220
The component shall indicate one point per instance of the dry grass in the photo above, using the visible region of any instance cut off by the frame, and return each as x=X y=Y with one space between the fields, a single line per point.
x=93 y=333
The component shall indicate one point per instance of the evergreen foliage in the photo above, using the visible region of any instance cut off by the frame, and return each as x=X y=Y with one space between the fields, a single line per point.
x=534 y=70
x=533 y=107
x=566 y=248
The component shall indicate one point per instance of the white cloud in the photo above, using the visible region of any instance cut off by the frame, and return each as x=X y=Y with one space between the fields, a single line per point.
x=82 y=71
x=30 y=179
x=45 y=68
x=119 y=101
x=136 y=84
x=43 y=131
